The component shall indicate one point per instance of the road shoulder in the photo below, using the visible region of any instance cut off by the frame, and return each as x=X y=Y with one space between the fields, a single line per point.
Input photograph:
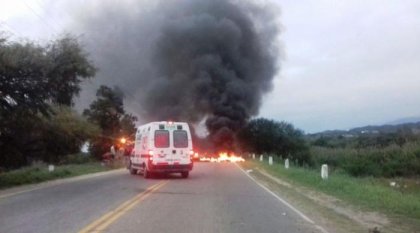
x=329 y=212
x=31 y=187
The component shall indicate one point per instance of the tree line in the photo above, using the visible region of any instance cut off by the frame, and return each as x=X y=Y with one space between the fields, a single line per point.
x=279 y=138
x=38 y=85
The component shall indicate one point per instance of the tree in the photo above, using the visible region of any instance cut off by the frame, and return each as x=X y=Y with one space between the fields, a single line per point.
x=108 y=112
x=65 y=133
x=23 y=94
x=23 y=80
x=128 y=126
x=68 y=66
x=29 y=78
x=268 y=136
x=44 y=138
x=18 y=139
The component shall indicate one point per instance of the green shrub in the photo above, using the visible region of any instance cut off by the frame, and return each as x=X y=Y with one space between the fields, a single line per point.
x=391 y=161
x=38 y=172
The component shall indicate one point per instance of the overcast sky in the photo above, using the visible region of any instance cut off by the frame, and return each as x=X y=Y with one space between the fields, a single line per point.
x=346 y=63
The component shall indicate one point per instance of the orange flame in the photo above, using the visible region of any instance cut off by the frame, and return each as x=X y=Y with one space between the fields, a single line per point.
x=225 y=157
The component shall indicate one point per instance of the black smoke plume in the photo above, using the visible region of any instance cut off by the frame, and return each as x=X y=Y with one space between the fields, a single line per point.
x=187 y=60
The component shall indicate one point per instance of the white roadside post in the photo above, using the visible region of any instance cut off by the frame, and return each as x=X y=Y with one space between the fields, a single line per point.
x=51 y=168
x=253 y=156
x=286 y=163
x=85 y=147
x=112 y=150
x=270 y=160
x=261 y=158
x=324 y=171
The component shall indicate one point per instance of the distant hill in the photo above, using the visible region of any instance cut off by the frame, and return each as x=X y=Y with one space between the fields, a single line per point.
x=404 y=121
x=385 y=128
x=412 y=124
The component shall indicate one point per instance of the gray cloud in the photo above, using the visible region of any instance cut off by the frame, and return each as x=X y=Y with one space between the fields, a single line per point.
x=348 y=64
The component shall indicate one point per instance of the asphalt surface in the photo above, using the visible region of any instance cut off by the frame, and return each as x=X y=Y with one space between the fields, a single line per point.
x=215 y=198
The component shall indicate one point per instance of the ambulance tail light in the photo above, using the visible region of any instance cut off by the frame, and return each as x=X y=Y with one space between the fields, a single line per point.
x=191 y=153
x=151 y=153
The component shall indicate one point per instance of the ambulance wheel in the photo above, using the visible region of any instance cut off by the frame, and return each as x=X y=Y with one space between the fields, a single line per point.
x=185 y=174
x=132 y=170
x=147 y=174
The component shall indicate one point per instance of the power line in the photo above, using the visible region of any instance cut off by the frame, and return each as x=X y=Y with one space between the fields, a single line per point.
x=41 y=6
x=40 y=17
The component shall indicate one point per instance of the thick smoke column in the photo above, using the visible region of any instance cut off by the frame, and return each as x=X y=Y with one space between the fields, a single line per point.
x=191 y=60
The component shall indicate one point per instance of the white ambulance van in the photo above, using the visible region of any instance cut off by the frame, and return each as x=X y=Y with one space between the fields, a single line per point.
x=162 y=147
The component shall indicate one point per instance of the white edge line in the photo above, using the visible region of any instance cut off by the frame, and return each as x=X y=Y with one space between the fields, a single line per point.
x=306 y=218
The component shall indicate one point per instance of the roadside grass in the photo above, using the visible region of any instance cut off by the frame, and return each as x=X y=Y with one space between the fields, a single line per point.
x=368 y=192
x=390 y=161
x=39 y=173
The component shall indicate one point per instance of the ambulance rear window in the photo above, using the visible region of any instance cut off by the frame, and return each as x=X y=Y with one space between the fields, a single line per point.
x=180 y=139
x=161 y=138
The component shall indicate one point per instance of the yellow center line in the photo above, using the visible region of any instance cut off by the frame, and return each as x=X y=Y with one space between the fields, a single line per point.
x=103 y=222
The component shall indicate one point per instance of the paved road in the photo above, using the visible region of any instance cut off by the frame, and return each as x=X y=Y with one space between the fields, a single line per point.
x=216 y=198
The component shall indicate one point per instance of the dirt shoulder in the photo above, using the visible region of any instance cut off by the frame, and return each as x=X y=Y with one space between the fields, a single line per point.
x=330 y=212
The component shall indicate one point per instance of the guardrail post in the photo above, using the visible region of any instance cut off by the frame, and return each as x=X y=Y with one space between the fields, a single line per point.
x=270 y=160
x=253 y=156
x=261 y=158
x=286 y=163
x=324 y=171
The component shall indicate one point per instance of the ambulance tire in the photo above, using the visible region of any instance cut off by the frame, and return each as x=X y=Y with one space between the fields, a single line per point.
x=132 y=170
x=185 y=174
x=146 y=174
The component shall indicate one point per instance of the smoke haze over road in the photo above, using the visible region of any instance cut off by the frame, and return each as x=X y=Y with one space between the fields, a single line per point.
x=186 y=60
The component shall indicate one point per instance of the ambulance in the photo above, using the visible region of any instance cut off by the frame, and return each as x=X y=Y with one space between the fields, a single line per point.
x=162 y=147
